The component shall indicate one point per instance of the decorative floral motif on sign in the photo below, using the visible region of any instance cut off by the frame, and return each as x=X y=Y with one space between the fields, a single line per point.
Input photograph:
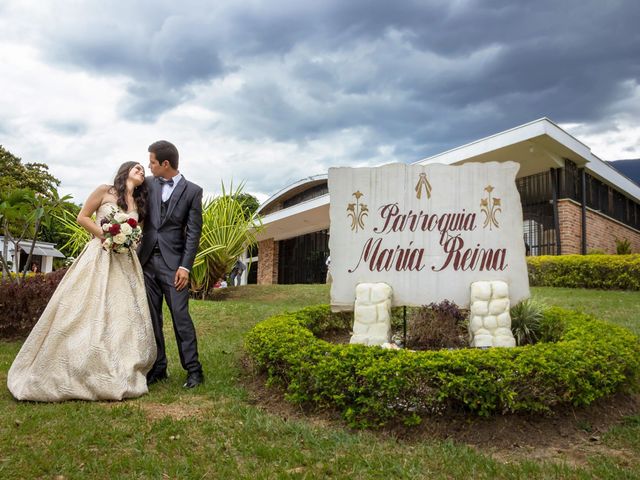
x=357 y=211
x=490 y=207
x=423 y=183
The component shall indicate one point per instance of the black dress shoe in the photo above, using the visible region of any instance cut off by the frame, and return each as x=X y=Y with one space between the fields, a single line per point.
x=155 y=377
x=194 y=379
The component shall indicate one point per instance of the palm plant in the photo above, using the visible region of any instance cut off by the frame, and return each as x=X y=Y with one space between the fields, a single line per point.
x=77 y=237
x=229 y=227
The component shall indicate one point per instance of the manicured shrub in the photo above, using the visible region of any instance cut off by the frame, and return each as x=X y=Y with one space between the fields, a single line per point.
x=372 y=386
x=22 y=304
x=607 y=272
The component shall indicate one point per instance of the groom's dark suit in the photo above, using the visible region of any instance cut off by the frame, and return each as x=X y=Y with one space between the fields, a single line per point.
x=171 y=235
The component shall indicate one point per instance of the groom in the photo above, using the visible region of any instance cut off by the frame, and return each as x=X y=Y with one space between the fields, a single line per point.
x=171 y=235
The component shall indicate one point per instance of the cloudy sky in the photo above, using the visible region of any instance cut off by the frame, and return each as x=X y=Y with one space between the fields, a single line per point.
x=269 y=92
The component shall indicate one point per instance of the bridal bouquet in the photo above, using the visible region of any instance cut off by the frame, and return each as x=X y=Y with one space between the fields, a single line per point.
x=121 y=232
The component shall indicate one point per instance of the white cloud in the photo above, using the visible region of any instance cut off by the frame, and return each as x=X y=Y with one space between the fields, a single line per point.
x=617 y=136
x=620 y=141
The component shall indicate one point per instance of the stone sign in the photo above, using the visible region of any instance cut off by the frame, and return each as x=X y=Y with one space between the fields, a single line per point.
x=428 y=231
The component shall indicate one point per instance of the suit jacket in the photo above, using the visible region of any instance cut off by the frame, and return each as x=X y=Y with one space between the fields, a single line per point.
x=178 y=235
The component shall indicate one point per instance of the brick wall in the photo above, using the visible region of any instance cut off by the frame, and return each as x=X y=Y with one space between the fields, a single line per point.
x=267 y=262
x=569 y=216
x=602 y=231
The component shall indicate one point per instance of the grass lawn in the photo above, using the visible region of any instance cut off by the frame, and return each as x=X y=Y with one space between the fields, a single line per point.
x=218 y=431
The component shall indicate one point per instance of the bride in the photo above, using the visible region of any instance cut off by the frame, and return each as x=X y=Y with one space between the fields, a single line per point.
x=94 y=340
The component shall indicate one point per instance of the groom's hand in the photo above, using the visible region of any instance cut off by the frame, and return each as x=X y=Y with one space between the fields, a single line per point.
x=181 y=279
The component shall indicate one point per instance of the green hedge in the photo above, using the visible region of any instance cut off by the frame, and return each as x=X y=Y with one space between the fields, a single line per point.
x=608 y=272
x=372 y=386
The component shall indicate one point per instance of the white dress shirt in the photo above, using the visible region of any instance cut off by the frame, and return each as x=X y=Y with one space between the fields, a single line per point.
x=167 y=189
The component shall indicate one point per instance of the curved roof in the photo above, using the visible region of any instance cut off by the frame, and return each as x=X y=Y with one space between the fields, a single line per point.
x=292 y=190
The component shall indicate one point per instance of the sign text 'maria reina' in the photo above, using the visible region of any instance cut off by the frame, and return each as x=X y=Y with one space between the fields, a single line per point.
x=378 y=257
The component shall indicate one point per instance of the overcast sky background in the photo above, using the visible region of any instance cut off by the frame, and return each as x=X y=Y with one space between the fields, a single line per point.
x=269 y=92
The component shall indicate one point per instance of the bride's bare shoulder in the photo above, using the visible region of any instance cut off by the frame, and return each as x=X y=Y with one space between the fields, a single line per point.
x=107 y=192
x=99 y=196
x=103 y=189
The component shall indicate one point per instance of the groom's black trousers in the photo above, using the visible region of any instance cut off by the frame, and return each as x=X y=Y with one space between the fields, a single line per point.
x=159 y=282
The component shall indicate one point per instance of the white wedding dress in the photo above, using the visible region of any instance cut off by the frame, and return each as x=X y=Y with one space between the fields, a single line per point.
x=94 y=340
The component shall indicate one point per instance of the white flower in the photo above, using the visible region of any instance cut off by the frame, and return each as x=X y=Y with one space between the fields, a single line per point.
x=121 y=217
x=107 y=243
x=120 y=238
x=106 y=227
x=125 y=228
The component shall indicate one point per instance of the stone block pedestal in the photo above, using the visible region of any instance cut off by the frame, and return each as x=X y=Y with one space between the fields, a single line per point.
x=372 y=314
x=490 y=320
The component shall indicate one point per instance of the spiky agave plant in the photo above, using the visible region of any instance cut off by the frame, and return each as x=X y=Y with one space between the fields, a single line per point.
x=525 y=321
x=228 y=229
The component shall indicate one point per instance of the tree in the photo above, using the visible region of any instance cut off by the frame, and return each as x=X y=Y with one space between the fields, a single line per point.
x=28 y=201
x=44 y=208
x=14 y=208
x=22 y=213
x=15 y=175
x=227 y=230
x=249 y=202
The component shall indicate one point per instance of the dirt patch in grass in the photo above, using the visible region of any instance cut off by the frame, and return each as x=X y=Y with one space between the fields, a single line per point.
x=569 y=436
x=187 y=407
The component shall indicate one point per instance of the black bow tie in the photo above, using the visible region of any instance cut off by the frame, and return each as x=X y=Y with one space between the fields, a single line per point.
x=165 y=182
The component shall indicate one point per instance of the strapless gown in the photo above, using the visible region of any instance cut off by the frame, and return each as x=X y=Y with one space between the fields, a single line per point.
x=94 y=340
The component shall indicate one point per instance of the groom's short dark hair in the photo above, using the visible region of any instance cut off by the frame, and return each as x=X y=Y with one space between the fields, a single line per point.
x=164 y=150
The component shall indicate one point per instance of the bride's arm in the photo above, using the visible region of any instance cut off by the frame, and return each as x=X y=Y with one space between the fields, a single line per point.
x=90 y=206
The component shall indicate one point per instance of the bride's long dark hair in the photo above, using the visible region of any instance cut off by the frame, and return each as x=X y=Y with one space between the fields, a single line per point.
x=139 y=193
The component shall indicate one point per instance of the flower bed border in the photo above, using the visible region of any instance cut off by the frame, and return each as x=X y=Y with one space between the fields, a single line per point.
x=579 y=360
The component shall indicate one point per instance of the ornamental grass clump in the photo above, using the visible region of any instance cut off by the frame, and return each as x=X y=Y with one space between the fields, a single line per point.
x=623 y=246
x=525 y=321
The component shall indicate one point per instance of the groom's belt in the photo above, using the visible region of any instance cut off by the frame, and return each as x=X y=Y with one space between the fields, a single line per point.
x=156 y=250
